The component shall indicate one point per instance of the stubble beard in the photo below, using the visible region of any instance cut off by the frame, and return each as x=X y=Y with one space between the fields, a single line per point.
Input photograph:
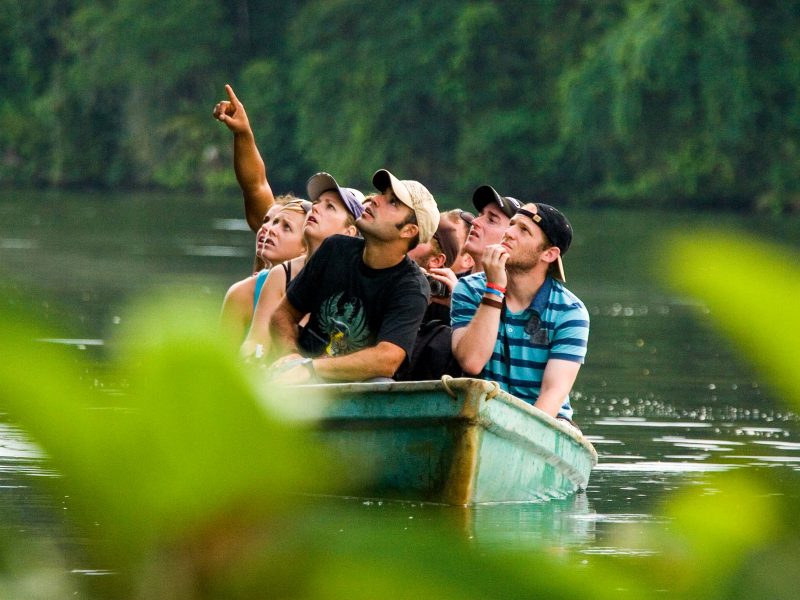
x=524 y=264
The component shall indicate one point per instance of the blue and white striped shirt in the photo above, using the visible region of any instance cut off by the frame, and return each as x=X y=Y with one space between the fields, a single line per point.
x=562 y=333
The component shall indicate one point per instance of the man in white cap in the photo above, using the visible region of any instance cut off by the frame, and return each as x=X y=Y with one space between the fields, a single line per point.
x=516 y=323
x=365 y=297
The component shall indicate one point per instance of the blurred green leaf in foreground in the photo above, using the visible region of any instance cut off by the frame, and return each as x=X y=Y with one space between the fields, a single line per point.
x=195 y=486
x=752 y=290
x=186 y=486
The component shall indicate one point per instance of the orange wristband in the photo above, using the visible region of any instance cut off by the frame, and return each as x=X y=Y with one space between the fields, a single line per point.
x=494 y=286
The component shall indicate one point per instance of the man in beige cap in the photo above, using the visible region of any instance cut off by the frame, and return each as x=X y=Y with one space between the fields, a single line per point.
x=365 y=298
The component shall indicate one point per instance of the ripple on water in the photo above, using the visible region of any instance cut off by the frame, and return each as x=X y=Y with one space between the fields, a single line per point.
x=230 y=225
x=779 y=444
x=77 y=342
x=216 y=251
x=618 y=518
x=698 y=444
x=613 y=551
x=664 y=467
x=18 y=244
x=641 y=422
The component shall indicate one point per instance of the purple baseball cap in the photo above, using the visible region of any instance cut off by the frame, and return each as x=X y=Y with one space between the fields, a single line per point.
x=323 y=182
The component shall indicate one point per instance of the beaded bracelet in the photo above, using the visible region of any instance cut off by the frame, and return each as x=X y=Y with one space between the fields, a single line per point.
x=494 y=286
x=492 y=303
x=494 y=291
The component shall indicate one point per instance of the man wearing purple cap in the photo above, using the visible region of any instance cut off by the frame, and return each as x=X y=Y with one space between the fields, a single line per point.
x=516 y=323
x=365 y=298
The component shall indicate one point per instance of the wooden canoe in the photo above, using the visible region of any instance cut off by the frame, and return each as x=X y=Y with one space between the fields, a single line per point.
x=456 y=441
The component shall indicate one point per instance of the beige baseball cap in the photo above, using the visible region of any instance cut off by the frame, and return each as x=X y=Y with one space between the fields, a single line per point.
x=414 y=195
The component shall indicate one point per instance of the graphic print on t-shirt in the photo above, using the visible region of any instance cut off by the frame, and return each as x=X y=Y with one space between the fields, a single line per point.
x=344 y=324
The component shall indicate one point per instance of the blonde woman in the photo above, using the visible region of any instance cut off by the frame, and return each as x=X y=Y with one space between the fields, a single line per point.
x=279 y=239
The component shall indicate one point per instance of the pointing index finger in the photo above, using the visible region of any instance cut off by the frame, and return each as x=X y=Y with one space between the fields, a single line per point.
x=231 y=95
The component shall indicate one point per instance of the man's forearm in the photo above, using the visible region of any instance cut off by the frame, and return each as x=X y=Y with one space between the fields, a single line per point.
x=378 y=361
x=283 y=328
x=557 y=381
x=473 y=345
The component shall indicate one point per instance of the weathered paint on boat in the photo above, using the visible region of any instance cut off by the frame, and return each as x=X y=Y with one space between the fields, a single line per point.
x=456 y=441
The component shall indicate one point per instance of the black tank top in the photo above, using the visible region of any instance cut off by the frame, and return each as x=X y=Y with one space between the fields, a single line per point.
x=287 y=268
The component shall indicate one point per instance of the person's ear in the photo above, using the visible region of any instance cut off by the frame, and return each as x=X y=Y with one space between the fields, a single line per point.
x=351 y=230
x=437 y=261
x=409 y=231
x=551 y=254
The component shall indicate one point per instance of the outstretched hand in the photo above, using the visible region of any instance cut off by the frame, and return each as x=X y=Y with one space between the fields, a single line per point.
x=232 y=113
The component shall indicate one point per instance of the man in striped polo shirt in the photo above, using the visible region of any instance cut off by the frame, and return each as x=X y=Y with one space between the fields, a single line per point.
x=516 y=323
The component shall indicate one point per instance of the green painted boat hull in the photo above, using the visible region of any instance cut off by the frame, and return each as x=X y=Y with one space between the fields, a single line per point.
x=456 y=441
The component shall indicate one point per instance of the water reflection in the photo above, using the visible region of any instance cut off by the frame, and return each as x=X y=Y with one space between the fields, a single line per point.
x=555 y=525
x=15 y=447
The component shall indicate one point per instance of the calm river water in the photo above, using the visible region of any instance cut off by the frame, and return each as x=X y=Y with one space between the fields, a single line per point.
x=664 y=398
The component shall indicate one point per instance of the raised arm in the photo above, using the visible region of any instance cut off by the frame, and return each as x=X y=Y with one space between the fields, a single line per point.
x=251 y=172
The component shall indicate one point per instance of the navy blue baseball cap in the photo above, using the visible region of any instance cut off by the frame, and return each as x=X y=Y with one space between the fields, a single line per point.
x=556 y=227
x=487 y=194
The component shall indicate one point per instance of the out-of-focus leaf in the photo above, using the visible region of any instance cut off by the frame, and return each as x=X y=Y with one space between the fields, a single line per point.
x=752 y=289
x=187 y=456
x=714 y=531
x=32 y=570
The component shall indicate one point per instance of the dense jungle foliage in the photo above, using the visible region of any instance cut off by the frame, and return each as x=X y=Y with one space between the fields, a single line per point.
x=631 y=102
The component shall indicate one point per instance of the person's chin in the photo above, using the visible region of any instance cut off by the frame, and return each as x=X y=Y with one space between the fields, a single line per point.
x=313 y=234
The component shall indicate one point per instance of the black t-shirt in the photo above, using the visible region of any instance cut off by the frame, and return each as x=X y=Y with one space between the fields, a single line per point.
x=353 y=306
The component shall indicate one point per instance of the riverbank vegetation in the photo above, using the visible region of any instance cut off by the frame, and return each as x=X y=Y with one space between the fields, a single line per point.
x=624 y=102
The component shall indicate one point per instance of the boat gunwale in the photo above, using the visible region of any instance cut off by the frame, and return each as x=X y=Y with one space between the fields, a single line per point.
x=489 y=389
